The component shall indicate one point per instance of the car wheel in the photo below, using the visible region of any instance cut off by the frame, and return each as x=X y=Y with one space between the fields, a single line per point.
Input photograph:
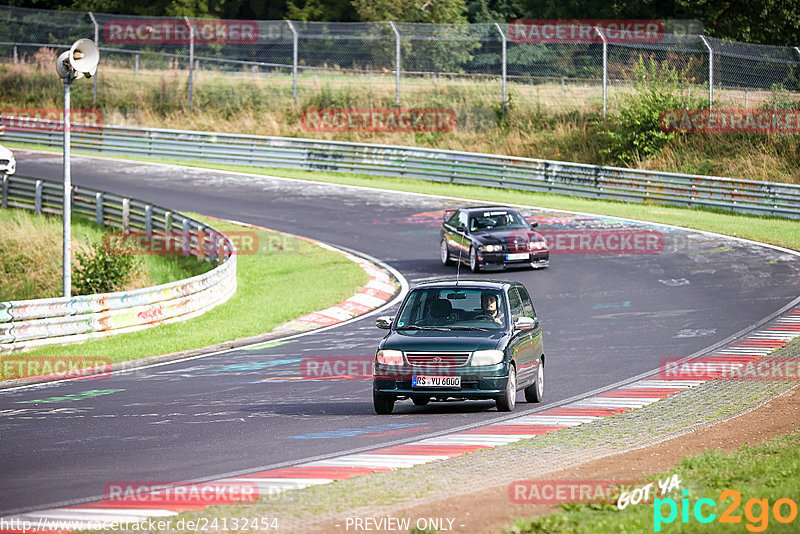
x=445 y=253
x=474 y=266
x=535 y=391
x=508 y=400
x=421 y=401
x=384 y=404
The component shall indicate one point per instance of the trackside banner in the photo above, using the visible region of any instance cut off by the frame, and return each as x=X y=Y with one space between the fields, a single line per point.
x=138 y=31
x=583 y=31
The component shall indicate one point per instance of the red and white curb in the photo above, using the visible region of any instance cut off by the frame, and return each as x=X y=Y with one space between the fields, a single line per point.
x=759 y=343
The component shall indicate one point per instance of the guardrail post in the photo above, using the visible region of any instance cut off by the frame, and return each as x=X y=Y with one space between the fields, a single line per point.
x=97 y=42
x=191 y=57
x=396 y=63
x=710 y=73
x=126 y=215
x=37 y=199
x=148 y=219
x=605 y=70
x=98 y=208
x=294 y=60
x=4 y=195
x=503 y=37
x=187 y=237
x=168 y=221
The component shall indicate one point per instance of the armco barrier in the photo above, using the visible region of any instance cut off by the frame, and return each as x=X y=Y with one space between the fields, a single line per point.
x=31 y=323
x=591 y=181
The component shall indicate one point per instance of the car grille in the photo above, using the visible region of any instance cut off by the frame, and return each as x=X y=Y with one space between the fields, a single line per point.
x=4 y=162
x=437 y=359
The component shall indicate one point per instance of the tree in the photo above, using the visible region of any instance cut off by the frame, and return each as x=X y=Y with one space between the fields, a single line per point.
x=438 y=11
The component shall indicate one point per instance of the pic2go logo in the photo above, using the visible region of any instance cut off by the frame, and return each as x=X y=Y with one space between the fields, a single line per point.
x=756 y=511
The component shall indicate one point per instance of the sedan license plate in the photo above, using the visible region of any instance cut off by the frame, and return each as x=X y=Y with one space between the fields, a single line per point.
x=520 y=256
x=424 y=381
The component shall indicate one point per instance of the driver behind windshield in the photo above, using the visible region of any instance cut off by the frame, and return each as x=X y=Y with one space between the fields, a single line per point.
x=489 y=307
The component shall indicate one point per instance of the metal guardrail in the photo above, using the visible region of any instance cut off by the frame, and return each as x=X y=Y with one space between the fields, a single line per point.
x=32 y=323
x=546 y=176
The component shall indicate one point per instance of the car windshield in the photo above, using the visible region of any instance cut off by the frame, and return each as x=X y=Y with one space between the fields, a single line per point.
x=496 y=220
x=453 y=309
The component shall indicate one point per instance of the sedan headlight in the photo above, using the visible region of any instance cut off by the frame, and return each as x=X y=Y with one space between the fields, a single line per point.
x=390 y=357
x=492 y=248
x=536 y=245
x=487 y=357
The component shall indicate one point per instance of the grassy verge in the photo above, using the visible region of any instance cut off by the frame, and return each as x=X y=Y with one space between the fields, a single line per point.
x=30 y=257
x=765 y=473
x=286 y=278
x=542 y=120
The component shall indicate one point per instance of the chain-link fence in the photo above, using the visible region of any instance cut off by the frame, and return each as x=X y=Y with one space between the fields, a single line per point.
x=389 y=61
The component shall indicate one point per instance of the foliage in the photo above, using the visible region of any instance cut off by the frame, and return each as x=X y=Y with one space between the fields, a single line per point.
x=780 y=98
x=102 y=272
x=635 y=132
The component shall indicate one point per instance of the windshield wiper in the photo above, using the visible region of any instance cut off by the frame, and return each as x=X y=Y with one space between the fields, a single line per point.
x=416 y=327
x=471 y=328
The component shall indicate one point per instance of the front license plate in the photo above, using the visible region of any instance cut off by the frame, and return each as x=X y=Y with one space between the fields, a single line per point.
x=520 y=256
x=424 y=381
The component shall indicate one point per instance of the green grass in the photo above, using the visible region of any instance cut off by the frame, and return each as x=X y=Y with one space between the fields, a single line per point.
x=770 y=471
x=274 y=286
x=30 y=256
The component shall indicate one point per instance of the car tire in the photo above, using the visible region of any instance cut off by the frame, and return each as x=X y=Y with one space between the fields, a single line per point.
x=421 y=401
x=444 y=253
x=507 y=401
x=383 y=404
x=474 y=266
x=535 y=391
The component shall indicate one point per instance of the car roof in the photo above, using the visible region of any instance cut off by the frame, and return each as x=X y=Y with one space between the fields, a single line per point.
x=466 y=284
x=472 y=209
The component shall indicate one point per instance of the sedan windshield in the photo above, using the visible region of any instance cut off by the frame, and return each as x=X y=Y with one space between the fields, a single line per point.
x=453 y=309
x=497 y=220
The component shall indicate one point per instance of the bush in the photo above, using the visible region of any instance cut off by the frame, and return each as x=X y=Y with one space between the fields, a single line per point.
x=102 y=272
x=635 y=133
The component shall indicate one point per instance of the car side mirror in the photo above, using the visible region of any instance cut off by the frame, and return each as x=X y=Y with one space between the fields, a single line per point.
x=385 y=322
x=524 y=323
x=534 y=224
x=461 y=229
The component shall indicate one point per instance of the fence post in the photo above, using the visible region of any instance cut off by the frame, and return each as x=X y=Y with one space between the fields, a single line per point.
x=98 y=208
x=503 y=37
x=294 y=60
x=191 y=57
x=710 y=73
x=16 y=55
x=605 y=70
x=97 y=42
x=136 y=65
x=396 y=62
x=37 y=199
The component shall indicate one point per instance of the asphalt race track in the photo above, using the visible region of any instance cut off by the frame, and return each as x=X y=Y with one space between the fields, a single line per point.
x=605 y=317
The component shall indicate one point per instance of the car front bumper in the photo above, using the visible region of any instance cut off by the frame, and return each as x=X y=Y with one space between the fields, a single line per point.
x=538 y=258
x=476 y=382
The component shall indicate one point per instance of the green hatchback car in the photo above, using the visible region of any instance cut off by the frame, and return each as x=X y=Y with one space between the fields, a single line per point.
x=454 y=340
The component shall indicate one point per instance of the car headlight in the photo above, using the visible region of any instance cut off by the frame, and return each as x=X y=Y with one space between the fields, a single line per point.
x=390 y=357
x=491 y=248
x=536 y=245
x=487 y=357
